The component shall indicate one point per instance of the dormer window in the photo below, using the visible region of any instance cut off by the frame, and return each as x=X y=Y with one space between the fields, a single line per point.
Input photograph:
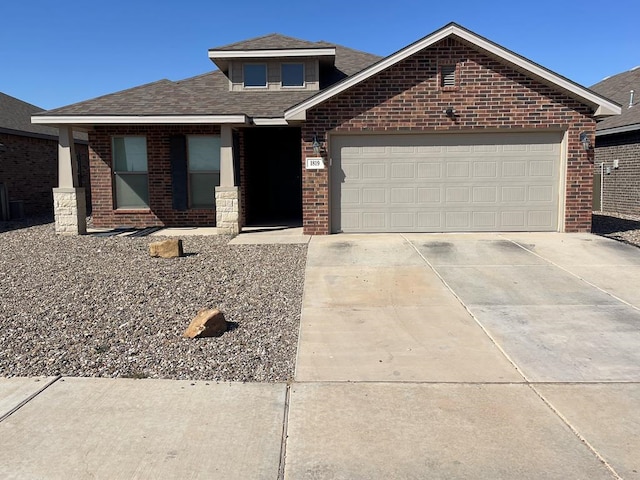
x=255 y=75
x=292 y=74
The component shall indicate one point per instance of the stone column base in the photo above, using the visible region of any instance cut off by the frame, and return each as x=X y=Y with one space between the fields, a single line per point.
x=228 y=210
x=70 y=210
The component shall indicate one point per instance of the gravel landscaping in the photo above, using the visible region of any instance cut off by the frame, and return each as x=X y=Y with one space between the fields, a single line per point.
x=624 y=228
x=90 y=306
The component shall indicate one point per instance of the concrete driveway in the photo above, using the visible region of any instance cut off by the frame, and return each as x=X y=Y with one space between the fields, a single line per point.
x=506 y=356
x=468 y=356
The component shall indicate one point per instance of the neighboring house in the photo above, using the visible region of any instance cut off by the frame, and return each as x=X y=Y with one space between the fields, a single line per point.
x=451 y=133
x=618 y=146
x=28 y=158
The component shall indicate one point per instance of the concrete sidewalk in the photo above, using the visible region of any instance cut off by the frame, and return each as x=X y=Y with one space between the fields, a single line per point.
x=420 y=356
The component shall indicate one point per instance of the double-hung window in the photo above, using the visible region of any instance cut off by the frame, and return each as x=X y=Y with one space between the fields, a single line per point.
x=255 y=75
x=130 y=172
x=292 y=74
x=203 y=157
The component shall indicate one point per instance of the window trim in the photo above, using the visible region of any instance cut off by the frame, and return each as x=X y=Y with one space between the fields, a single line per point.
x=304 y=77
x=266 y=76
x=192 y=172
x=115 y=173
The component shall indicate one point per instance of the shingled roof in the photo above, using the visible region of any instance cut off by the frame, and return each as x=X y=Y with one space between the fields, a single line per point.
x=273 y=41
x=618 y=88
x=15 y=117
x=208 y=94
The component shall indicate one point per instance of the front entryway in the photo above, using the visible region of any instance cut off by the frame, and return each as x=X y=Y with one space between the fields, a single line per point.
x=273 y=176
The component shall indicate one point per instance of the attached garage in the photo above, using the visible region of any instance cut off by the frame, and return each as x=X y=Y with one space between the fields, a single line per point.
x=446 y=182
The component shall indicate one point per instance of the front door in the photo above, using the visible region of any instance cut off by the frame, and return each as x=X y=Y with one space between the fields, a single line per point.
x=273 y=175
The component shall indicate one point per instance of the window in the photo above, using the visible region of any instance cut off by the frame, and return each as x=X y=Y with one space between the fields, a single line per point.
x=203 y=157
x=448 y=76
x=292 y=75
x=255 y=75
x=130 y=172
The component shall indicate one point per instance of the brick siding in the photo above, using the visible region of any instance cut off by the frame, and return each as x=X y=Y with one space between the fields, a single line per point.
x=489 y=96
x=160 y=212
x=621 y=191
x=29 y=169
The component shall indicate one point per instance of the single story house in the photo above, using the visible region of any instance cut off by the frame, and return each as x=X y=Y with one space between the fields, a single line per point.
x=451 y=133
x=618 y=146
x=29 y=160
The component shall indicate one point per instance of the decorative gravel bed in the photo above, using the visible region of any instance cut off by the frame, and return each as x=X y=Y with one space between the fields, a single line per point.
x=624 y=228
x=90 y=306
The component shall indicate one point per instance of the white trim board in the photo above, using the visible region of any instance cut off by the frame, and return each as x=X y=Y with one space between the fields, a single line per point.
x=137 y=119
x=602 y=106
x=614 y=130
x=273 y=53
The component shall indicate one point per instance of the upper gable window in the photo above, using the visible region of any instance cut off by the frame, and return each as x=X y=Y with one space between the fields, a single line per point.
x=255 y=75
x=292 y=75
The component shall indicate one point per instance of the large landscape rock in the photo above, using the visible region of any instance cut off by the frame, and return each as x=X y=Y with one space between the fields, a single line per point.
x=208 y=323
x=166 y=249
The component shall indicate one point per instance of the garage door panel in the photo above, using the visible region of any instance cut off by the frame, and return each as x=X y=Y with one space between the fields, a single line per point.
x=374 y=171
x=429 y=195
x=434 y=183
x=429 y=170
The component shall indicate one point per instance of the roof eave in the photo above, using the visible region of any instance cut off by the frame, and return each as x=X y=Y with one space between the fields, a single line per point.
x=614 y=130
x=239 y=119
x=221 y=57
x=602 y=107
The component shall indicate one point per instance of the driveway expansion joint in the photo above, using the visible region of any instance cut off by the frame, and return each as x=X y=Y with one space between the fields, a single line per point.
x=475 y=319
x=575 y=431
x=28 y=399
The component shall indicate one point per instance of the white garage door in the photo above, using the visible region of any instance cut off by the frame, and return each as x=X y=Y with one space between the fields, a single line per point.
x=446 y=182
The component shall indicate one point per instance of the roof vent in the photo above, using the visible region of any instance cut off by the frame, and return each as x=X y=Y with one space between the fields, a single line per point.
x=448 y=76
x=631 y=98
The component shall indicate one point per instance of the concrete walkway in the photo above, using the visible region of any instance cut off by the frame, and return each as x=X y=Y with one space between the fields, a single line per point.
x=420 y=356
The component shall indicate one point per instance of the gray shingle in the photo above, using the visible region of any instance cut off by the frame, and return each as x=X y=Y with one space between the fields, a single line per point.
x=208 y=94
x=617 y=88
x=16 y=115
x=273 y=41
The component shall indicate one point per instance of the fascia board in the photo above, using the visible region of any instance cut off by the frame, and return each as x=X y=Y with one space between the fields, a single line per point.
x=604 y=107
x=612 y=131
x=270 y=121
x=273 y=53
x=137 y=119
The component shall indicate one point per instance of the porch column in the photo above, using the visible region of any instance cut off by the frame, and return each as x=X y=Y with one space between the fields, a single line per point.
x=228 y=193
x=69 y=203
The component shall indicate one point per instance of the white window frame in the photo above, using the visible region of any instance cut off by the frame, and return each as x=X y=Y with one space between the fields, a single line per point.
x=266 y=76
x=304 y=83
x=120 y=173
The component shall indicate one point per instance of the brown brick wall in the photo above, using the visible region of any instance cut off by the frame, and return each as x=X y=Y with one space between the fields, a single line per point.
x=160 y=212
x=621 y=192
x=29 y=169
x=490 y=96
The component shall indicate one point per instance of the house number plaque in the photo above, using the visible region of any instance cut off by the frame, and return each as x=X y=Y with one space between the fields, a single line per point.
x=315 y=163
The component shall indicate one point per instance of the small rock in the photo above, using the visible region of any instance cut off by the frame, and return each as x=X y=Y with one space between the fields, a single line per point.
x=208 y=323
x=166 y=249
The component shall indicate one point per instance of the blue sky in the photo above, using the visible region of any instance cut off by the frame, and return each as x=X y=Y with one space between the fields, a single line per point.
x=56 y=53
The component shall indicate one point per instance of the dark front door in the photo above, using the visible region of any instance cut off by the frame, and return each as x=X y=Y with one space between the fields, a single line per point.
x=273 y=175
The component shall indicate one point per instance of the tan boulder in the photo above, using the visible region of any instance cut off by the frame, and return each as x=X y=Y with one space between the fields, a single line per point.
x=166 y=249
x=208 y=323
